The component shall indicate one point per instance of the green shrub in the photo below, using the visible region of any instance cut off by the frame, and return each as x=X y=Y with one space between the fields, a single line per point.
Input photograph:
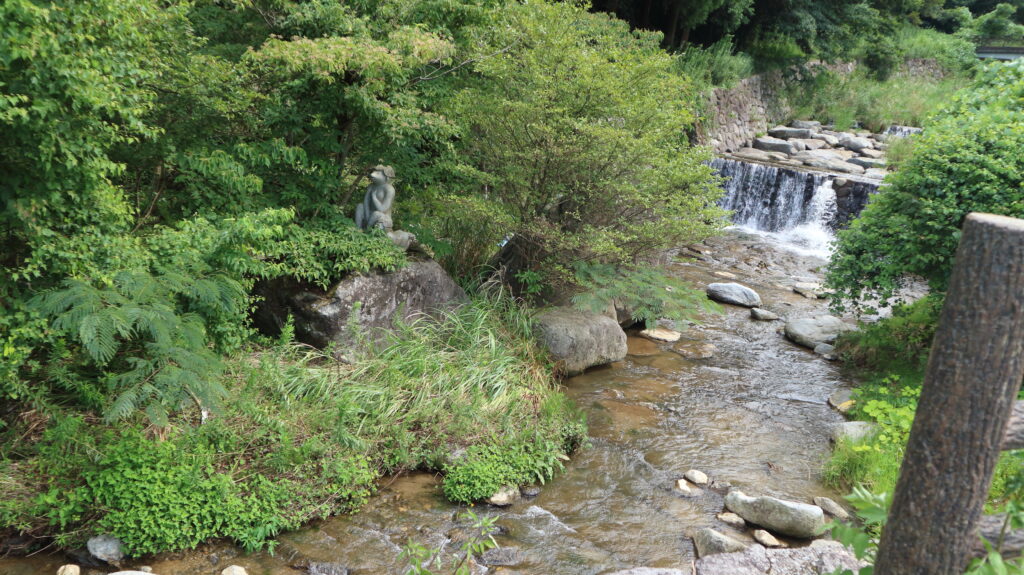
x=882 y=57
x=967 y=160
x=485 y=468
x=902 y=339
x=718 y=65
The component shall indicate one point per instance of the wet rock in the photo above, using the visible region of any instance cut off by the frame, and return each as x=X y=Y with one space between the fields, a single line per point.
x=721 y=485
x=766 y=539
x=770 y=144
x=785 y=517
x=695 y=350
x=707 y=541
x=734 y=293
x=105 y=548
x=502 y=557
x=810 y=143
x=686 y=489
x=763 y=314
x=529 y=491
x=841 y=400
x=69 y=570
x=696 y=477
x=853 y=431
x=832 y=508
x=786 y=133
x=854 y=143
x=826 y=350
x=810 y=331
x=827 y=138
x=326 y=568
x=234 y=570
x=756 y=560
x=731 y=519
x=579 y=340
x=806 y=289
x=661 y=334
x=505 y=496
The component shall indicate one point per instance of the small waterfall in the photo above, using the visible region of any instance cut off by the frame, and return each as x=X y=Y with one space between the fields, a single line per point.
x=902 y=131
x=798 y=209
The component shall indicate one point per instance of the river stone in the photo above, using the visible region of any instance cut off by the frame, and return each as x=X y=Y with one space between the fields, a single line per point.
x=829 y=163
x=370 y=301
x=707 y=541
x=766 y=539
x=69 y=570
x=810 y=143
x=868 y=163
x=579 y=340
x=322 y=568
x=756 y=560
x=785 y=517
x=505 y=496
x=786 y=133
x=769 y=144
x=826 y=350
x=105 y=548
x=875 y=154
x=841 y=400
x=529 y=491
x=234 y=570
x=661 y=334
x=807 y=289
x=876 y=174
x=853 y=431
x=734 y=293
x=762 y=314
x=502 y=557
x=696 y=477
x=827 y=138
x=832 y=508
x=695 y=350
x=810 y=331
x=855 y=143
x=730 y=518
x=686 y=489
x=760 y=155
x=806 y=124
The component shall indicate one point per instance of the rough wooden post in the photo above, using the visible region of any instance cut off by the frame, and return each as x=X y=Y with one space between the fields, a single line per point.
x=973 y=376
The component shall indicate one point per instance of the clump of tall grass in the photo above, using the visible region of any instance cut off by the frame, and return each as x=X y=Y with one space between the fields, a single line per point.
x=715 y=66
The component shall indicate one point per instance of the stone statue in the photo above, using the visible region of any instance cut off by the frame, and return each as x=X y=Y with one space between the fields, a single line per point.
x=375 y=211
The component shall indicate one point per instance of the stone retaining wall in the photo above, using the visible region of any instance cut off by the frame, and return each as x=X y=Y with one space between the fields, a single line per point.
x=757 y=103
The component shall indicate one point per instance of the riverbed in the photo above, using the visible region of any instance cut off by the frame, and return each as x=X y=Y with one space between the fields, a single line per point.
x=753 y=415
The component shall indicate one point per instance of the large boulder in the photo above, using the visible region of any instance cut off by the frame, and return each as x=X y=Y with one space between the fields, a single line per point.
x=734 y=293
x=106 y=548
x=770 y=144
x=370 y=302
x=777 y=515
x=579 y=340
x=855 y=143
x=707 y=541
x=810 y=331
x=785 y=132
x=756 y=560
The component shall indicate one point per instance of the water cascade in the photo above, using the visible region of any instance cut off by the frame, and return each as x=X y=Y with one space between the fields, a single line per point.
x=798 y=209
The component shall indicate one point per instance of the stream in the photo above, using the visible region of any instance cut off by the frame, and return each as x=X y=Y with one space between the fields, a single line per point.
x=753 y=415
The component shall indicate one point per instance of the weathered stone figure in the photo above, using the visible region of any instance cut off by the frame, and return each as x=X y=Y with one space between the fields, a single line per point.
x=375 y=211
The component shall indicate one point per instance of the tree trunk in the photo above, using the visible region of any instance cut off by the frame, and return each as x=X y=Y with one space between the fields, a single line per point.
x=973 y=376
x=673 y=27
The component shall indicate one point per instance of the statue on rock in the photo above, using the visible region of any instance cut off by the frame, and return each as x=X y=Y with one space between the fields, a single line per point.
x=375 y=211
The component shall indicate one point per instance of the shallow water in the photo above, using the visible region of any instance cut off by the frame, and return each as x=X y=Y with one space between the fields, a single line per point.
x=753 y=415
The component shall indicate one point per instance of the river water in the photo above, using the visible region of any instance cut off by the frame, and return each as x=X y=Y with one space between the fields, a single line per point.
x=753 y=415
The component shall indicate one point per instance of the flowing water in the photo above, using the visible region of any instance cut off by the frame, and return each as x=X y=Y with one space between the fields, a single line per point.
x=754 y=415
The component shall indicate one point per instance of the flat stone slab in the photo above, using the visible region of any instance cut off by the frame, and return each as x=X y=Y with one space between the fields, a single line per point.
x=756 y=560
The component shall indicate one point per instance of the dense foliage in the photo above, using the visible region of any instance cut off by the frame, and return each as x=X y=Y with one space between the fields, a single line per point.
x=968 y=160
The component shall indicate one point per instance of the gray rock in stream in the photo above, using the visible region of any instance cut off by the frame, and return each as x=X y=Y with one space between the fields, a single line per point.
x=763 y=314
x=769 y=144
x=734 y=293
x=867 y=163
x=580 y=340
x=855 y=143
x=832 y=508
x=786 y=133
x=105 y=548
x=778 y=515
x=756 y=560
x=810 y=331
x=707 y=541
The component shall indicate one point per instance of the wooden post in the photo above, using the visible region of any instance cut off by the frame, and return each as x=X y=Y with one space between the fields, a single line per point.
x=973 y=376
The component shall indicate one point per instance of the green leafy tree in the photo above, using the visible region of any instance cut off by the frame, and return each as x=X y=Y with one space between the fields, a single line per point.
x=576 y=131
x=967 y=160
